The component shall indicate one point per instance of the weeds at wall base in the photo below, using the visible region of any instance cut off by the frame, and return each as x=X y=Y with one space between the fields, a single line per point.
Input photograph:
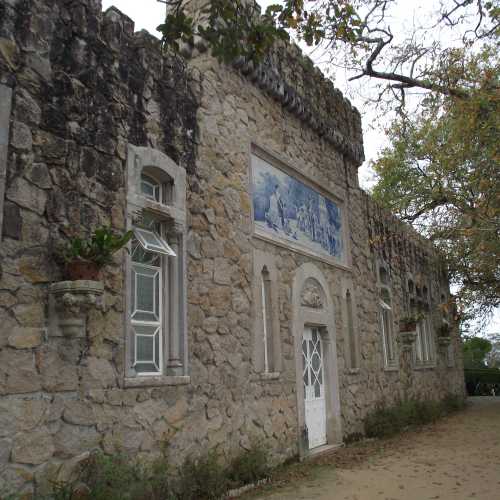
x=116 y=477
x=388 y=421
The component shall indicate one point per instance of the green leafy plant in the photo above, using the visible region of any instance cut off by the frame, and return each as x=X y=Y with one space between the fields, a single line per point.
x=388 y=421
x=118 y=477
x=204 y=478
x=99 y=248
x=250 y=466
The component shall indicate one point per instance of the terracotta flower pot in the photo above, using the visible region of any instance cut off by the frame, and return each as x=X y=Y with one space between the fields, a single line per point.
x=82 y=270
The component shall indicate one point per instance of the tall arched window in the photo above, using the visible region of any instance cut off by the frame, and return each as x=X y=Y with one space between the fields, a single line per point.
x=267 y=327
x=386 y=318
x=267 y=345
x=156 y=337
x=424 y=351
x=351 y=334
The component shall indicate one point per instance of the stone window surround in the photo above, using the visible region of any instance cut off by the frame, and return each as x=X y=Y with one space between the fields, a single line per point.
x=260 y=260
x=324 y=318
x=5 y=110
x=413 y=298
x=173 y=215
x=383 y=285
x=338 y=196
x=348 y=285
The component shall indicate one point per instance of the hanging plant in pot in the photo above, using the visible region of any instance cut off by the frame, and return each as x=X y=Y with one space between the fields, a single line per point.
x=84 y=258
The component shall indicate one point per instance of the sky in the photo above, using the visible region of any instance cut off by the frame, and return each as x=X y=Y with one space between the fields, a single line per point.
x=148 y=14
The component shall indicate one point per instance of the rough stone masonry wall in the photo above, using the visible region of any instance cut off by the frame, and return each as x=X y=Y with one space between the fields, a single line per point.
x=84 y=85
x=235 y=113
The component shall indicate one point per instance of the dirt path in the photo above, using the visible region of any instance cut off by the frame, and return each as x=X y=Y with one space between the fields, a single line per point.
x=457 y=458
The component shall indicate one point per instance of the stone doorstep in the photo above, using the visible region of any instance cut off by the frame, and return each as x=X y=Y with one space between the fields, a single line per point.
x=237 y=492
x=325 y=449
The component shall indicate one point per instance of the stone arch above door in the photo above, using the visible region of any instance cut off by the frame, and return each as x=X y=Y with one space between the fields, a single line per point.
x=312 y=305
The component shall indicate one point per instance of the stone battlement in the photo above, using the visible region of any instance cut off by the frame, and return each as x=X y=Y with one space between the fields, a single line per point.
x=291 y=78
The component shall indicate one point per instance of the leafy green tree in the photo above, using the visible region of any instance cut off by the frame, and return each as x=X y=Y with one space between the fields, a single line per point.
x=475 y=351
x=441 y=174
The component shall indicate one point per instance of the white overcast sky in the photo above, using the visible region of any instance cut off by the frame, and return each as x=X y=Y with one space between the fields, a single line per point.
x=148 y=14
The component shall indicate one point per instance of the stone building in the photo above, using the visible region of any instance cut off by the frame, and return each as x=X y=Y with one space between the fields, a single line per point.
x=263 y=291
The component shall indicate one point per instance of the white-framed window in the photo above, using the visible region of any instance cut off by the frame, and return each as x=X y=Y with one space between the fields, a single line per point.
x=155 y=335
x=424 y=350
x=387 y=331
x=424 y=344
x=386 y=318
x=350 y=326
x=148 y=296
x=151 y=188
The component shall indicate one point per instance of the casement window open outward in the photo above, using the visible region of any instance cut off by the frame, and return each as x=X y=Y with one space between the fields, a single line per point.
x=150 y=241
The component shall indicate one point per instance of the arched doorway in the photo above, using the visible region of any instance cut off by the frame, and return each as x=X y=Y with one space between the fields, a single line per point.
x=318 y=404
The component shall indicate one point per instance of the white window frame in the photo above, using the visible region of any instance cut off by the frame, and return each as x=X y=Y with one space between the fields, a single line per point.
x=388 y=337
x=424 y=349
x=388 y=340
x=265 y=321
x=159 y=325
x=156 y=186
x=161 y=246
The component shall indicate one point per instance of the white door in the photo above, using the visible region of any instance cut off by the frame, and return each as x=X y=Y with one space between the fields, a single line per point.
x=314 y=387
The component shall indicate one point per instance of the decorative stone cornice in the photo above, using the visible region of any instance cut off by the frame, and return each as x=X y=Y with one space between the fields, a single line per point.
x=267 y=78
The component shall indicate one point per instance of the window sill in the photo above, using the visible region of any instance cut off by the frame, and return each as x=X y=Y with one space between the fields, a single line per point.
x=424 y=367
x=391 y=368
x=267 y=376
x=352 y=371
x=156 y=381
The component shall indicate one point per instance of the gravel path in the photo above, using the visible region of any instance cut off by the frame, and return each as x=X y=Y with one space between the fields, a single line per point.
x=457 y=458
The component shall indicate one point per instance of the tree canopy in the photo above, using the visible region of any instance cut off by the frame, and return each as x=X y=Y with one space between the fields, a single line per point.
x=441 y=171
x=475 y=351
x=441 y=174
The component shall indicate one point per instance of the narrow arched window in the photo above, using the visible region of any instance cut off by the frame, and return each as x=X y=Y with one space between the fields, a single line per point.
x=386 y=319
x=266 y=320
x=353 y=357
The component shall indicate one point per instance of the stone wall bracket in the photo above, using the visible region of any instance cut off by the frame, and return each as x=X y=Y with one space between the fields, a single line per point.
x=407 y=339
x=69 y=304
x=443 y=341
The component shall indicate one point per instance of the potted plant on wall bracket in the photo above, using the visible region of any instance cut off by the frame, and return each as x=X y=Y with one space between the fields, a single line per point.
x=409 y=323
x=408 y=328
x=84 y=258
x=71 y=300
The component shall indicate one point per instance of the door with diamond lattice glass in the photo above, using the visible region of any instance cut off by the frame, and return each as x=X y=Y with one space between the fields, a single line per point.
x=314 y=387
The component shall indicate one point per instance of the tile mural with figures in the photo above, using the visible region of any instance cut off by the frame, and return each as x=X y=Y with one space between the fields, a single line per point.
x=286 y=208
